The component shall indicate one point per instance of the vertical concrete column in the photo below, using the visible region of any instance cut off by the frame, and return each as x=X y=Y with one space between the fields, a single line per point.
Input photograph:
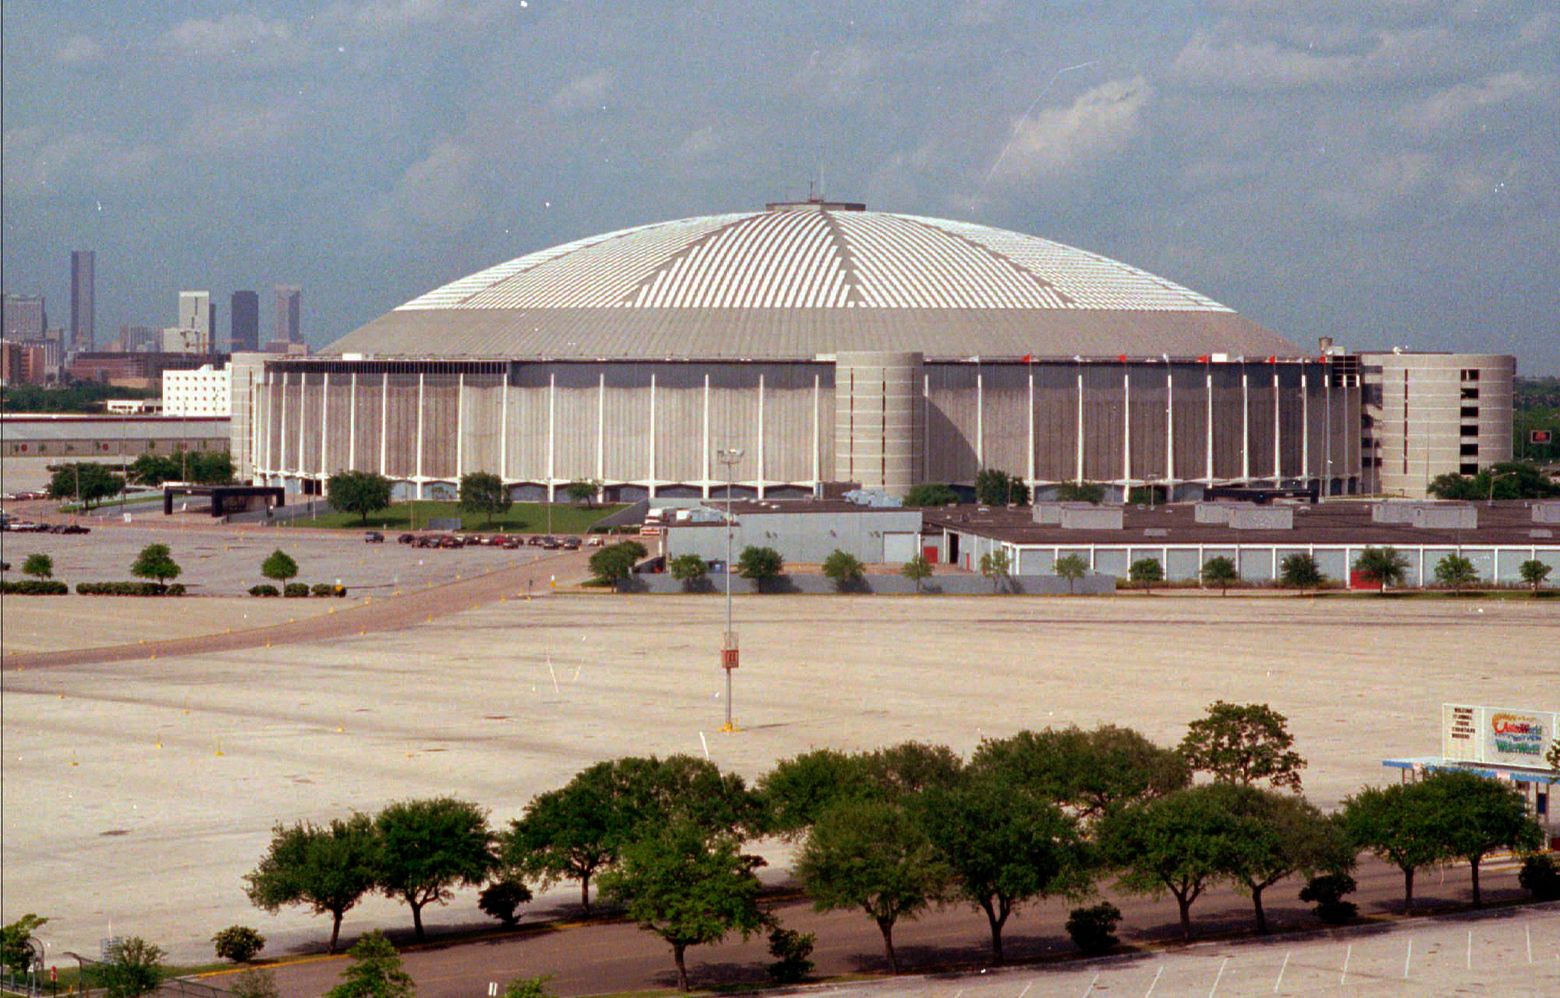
x=1305 y=428
x=1208 y=455
x=303 y=395
x=324 y=425
x=384 y=424
x=706 y=460
x=1079 y=476
x=1245 y=425
x=817 y=431
x=419 y=475
x=760 y=447
x=1278 y=433
x=552 y=412
x=503 y=429
x=980 y=417
x=460 y=425
x=878 y=427
x=601 y=426
x=1029 y=426
x=352 y=423
x=1169 y=434
x=651 y=483
x=1126 y=433
x=281 y=457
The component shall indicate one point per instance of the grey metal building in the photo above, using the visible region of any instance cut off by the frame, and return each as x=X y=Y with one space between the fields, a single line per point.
x=827 y=342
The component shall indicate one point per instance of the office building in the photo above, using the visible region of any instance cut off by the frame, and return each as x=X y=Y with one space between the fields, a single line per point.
x=244 y=316
x=203 y=391
x=25 y=317
x=289 y=305
x=83 y=311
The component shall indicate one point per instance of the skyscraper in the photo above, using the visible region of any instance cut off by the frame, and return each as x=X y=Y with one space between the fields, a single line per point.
x=288 y=307
x=82 y=312
x=25 y=317
x=244 y=314
x=197 y=316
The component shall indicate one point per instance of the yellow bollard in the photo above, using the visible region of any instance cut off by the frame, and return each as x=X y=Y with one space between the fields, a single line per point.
x=159 y=743
x=219 y=746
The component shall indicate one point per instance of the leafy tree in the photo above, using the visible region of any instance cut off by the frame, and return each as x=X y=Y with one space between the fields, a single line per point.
x=689 y=569
x=15 y=953
x=1506 y=480
x=1540 y=876
x=1147 y=571
x=1003 y=846
x=994 y=487
x=1534 y=572
x=931 y=494
x=1300 y=571
x=792 y=951
x=761 y=564
x=994 y=566
x=1397 y=824
x=1383 y=566
x=798 y=790
x=238 y=943
x=375 y=972
x=1243 y=743
x=1089 y=773
x=484 y=492
x=897 y=773
x=1327 y=892
x=131 y=967
x=1455 y=571
x=155 y=562
x=917 y=570
x=429 y=846
x=1476 y=816
x=1280 y=835
x=254 y=983
x=1182 y=843
x=1089 y=492
x=872 y=855
x=360 y=492
x=92 y=482
x=1093 y=929
x=39 y=566
x=843 y=569
x=583 y=491
x=502 y=898
x=687 y=887
x=1220 y=572
x=279 y=566
x=616 y=562
x=327 y=867
x=1071 y=567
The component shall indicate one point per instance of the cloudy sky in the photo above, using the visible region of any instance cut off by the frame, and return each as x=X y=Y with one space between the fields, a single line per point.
x=1388 y=175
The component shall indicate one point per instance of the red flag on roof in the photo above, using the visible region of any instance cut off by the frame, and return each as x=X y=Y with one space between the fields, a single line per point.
x=1272 y=360
x=1029 y=358
x=1205 y=359
x=1122 y=358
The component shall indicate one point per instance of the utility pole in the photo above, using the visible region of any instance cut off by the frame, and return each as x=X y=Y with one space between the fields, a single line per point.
x=729 y=456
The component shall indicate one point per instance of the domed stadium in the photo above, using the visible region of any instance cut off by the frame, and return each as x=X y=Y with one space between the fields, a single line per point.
x=828 y=344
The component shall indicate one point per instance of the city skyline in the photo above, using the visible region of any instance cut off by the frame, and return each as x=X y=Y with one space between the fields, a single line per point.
x=1384 y=176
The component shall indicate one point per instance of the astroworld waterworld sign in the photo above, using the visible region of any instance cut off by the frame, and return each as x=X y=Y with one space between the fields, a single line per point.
x=1505 y=736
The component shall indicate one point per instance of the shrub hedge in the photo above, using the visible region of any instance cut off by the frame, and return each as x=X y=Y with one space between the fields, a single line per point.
x=296 y=589
x=34 y=587
x=264 y=589
x=128 y=589
x=327 y=589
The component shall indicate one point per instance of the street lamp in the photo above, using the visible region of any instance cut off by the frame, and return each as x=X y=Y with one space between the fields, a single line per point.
x=1489 y=502
x=1149 y=480
x=729 y=456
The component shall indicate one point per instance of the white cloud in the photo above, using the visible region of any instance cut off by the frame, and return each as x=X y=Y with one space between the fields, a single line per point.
x=244 y=37
x=79 y=50
x=38 y=162
x=391 y=16
x=845 y=74
x=1228 y=58
x=583 y=93
x=1058 y=140
x=439 y=193
x=1450 y=108
x=231 y=130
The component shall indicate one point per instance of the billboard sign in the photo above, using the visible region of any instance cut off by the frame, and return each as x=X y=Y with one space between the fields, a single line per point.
x=1502 y=736
x=1541 y=436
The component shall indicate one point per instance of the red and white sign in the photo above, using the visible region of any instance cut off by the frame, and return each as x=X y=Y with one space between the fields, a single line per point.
x=1541 y=436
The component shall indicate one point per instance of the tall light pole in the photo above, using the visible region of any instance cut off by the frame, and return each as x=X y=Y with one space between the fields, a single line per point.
x=729 y=456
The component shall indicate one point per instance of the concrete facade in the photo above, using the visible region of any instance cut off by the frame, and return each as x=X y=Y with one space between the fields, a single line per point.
x=205 y=391
x=1433 y=414
x=874 y=536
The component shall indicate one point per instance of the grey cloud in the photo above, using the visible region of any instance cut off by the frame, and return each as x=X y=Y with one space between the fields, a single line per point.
x=79 y=50
x=583 y=93
x=244 y=37
x=438 y=194
x=1455 y=106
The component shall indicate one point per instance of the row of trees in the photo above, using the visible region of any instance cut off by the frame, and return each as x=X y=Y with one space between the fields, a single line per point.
x=1383 y=566
x=895 y=831
x=480 y=492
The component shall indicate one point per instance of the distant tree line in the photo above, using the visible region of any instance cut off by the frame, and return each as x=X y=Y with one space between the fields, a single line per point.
x=895 y=831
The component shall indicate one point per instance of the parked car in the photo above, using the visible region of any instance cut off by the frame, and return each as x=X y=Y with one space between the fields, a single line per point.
x=551 y=543
x=406 y=538
x=571 y=543
x=512 y=543
x=76 y=528
x=535 y=540
x=594 y=541
x=373 y=537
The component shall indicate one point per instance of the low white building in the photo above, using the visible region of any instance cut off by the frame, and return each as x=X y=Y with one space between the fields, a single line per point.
x=204 y=391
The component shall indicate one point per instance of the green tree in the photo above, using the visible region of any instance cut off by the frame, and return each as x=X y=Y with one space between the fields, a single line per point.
x=1071 y=567
x=429 y=846
x=254 y=983
x=994 y=566
x=528 y=987
x=38 y=565
x=1245 y=744
x=917 y=570
x=91 y=482
x=1183 y=843
x=872 y=855
x=1089 y=492
x=1397 y=824
x=931 y=494
x=279 y=566
x=1220 y=571
x=844 y=570
x=360 y=492
x=15 y=940
x=897 y=773
x=326 y=867
x=155 y=562
x=502 y=899
x=1506 y=480
x=796 y=791
x=153 y=469
x=375 y=972
x=1383 y=566
x=583 y=491
x=994 y=487
x=485 y=493
x=570 y=833
x=616 y=562
x=1147 y=571
x=1087 y=772
x=1477 y=816
x=1300 y=571
x=1534 y=572
x=211 y=467
x=131 y=967
x=238 y=943
x=687 y=887
x=761 y=564
x=1280 y=835
x=1455 y=571
x=1004 y=846
x=690 y=570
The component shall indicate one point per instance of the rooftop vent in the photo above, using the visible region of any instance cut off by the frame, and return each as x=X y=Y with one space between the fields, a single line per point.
x=1546 y=512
